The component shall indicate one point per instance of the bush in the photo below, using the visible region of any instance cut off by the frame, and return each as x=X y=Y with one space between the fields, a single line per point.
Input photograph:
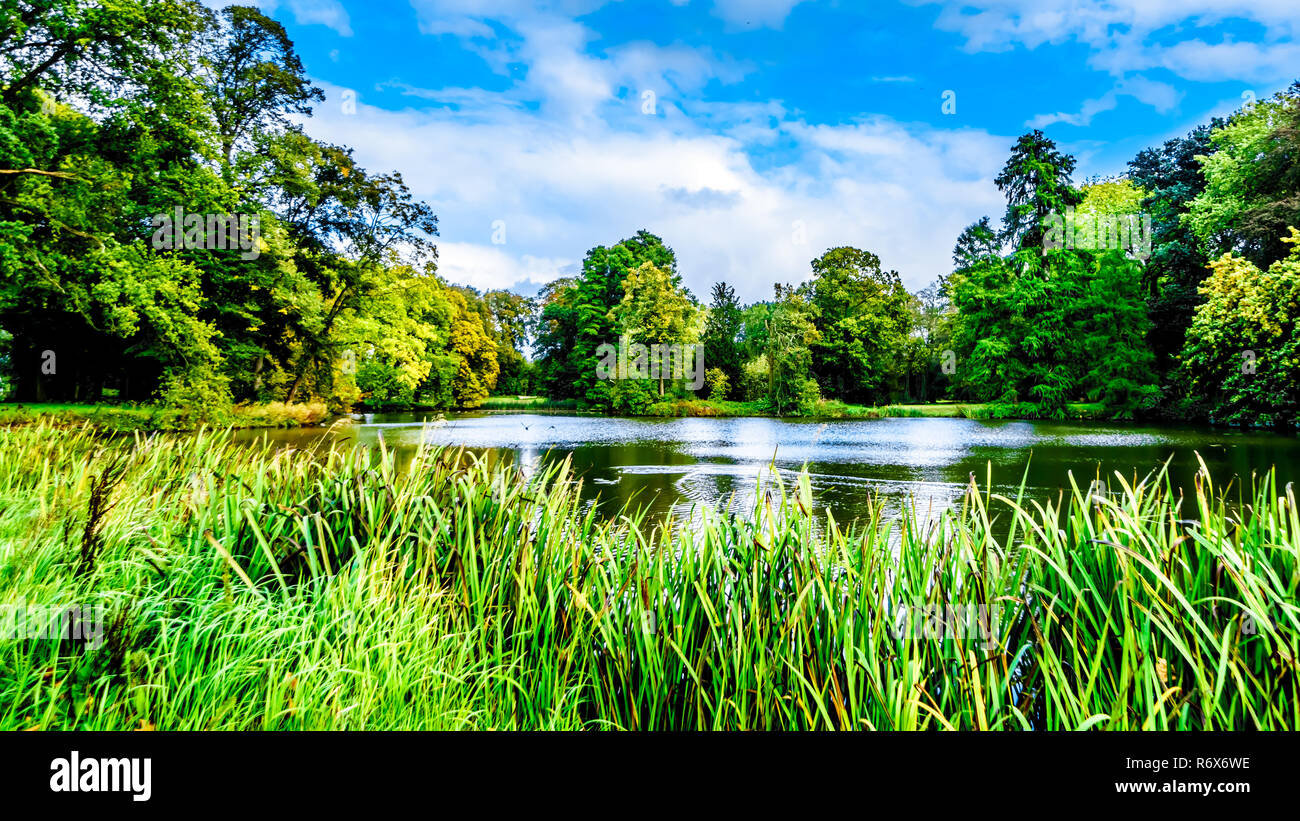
x=754 y=379
x=196 y=397
x=718 y=383
x=282 y=414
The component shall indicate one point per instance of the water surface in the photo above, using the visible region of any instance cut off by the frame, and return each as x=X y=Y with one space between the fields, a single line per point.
x=677 y=465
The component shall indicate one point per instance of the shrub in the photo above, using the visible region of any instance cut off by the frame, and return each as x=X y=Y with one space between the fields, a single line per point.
x=718 y=383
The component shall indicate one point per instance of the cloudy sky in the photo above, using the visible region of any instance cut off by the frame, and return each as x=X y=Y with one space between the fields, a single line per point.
x=754 y=134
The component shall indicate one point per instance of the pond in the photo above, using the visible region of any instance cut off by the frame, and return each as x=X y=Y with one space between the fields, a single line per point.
x=682 y=465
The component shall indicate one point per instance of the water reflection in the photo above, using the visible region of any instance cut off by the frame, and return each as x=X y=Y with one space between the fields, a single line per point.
x=676 y=465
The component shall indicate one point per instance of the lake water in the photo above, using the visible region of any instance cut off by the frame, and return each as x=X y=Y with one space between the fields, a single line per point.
x=679 y=465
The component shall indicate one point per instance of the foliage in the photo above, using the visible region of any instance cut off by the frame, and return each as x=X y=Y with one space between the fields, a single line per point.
x=1171 y=174
x=580 y=314
x=114 y=116
x=756 y=376
x=1041 y=328
x=790 y=331
x=1036 y=182
x=721 y=338
x=336 y=591
x=719 y=384
x=1252 y=190
x=1242 y=357
x=655 y=310
x=863 y=319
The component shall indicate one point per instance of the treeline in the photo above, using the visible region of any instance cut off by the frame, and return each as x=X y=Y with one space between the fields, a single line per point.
x=1172 y=290
x=849 y=332
x=128 y=131
x=126 y=128
x=1197 y=320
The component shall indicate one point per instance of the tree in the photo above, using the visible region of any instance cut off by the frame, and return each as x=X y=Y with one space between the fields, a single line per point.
x=255 y=81
x=1036 y=182
x=929 y=339
x=721 y=338
x=1171 y=176
x=1041 y=328
x=178 y=108
x=1040 y=338
x=577 y=316
x=1252 y=191
x=1241 y=363
x=555 y=338
x=477 y=369
x=655 y=310
x=97 y=52
x=512 y=316
x=862 y=320
x=976 y=243
x=790 y=333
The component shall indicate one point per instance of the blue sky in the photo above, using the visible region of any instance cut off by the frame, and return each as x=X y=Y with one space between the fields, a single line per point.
x=754 y=134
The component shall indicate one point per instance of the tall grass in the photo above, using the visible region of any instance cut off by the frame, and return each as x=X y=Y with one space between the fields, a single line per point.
x=523 y=403
x=253 y=588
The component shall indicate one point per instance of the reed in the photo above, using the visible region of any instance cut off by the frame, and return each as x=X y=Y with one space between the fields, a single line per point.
x=526 y=403
x=250 y=587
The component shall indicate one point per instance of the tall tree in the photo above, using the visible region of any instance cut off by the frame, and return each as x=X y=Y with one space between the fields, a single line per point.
x=655 y=310
x=1252 y=192
x=1240 y=363
x=512 y=316
x=722 y=333
x=1171 y=176
x=863 y=319
x=255 y=79
x=1036 y=182
x=791 y=331
x=978 y=242
x=569 y=347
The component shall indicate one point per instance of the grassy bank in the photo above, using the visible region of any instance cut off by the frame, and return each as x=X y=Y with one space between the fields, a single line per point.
x=125 y=418
x=526 y=403
x=835 y=409
x=247 y=589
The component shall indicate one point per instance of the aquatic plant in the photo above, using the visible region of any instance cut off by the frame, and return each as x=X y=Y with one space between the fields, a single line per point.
x=248 y=586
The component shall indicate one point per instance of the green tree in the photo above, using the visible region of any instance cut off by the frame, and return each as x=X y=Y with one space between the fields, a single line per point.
x=791 y=332
x=1252 y=191
x=863 y=321
x=722 y=333
x=1036 y=182
x=512 y=316
x=927 y=343
x=976 y=243
x=577 y=315
x=1041 y=328
x=471 y=341
x=1171 y=174
x=1241 y=362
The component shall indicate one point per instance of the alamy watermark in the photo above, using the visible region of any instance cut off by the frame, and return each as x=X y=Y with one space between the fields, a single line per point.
x=1087 y=231
x=938 y=622
x=633 y=360
x=214 y=232
x=47 y=621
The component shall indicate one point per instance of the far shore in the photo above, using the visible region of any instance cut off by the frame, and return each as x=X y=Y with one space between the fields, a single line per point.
x=145 y=417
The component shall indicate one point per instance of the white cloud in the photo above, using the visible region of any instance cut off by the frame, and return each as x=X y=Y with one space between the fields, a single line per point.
x=1161 y=96
x=565 y=159
x=1120 y=33
x=328 y=13
x=1200 y=61
x=559 y=73
x=902 y=191
x=490 y=267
